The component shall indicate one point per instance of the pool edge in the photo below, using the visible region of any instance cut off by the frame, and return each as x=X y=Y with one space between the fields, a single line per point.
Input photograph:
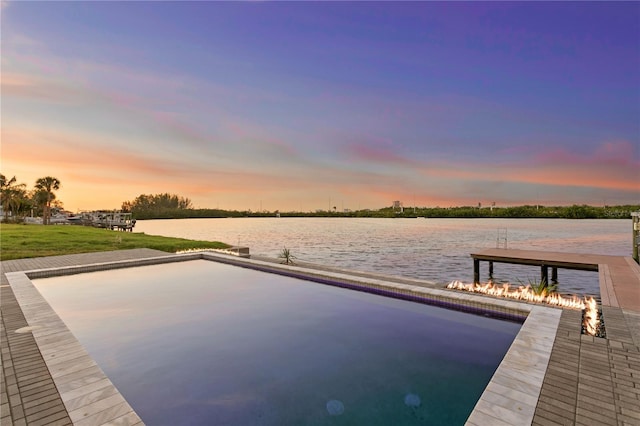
x=512 y=370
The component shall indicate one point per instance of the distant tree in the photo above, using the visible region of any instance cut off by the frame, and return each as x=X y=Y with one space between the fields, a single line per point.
x=157 y=206
x=13 y=196
x=6 y=187
x=39 y=201
x=47 y=185
x=19 y=202
x=579 y=212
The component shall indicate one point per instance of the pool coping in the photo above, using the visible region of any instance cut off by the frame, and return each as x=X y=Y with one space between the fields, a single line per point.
x=91 y=399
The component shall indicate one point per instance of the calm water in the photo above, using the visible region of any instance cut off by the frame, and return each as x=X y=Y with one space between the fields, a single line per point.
x=431 y=249
x=206 y=343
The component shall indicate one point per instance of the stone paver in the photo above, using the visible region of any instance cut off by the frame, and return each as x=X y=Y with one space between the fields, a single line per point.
x=28 y=394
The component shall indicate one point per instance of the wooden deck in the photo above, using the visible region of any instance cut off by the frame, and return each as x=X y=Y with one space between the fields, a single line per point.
x=619 y=275
x=589 y=380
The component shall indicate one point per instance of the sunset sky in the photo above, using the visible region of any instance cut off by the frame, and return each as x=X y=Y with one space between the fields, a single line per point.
x=304 y=106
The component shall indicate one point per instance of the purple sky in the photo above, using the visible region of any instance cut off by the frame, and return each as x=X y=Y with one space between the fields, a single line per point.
x=300 y=106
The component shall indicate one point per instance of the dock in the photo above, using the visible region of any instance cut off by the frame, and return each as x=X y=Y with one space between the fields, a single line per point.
x=114 y=220
x=619 y=275
x=589 y=380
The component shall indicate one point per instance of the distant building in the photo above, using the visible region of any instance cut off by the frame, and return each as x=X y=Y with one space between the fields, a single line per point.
x=397 y=206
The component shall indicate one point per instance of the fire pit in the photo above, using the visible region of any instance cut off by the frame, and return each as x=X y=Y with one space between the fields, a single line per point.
x=592 y=323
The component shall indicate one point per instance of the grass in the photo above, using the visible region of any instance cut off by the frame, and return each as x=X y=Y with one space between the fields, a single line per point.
x=24 y=241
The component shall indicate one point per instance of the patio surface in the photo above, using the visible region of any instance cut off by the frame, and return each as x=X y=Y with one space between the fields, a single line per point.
x=586 y=381
x=589 y=380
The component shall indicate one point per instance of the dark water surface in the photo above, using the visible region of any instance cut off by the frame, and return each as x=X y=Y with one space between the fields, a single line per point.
x=430 y=249
x=205 y=343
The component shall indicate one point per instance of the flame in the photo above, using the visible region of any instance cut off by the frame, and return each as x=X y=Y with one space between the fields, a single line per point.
x=526 y=293
x=591 y=321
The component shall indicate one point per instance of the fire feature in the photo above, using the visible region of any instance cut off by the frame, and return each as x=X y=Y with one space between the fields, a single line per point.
x=591 y=321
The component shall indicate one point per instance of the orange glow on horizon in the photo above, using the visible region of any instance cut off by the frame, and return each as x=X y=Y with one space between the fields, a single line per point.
x=103 y=174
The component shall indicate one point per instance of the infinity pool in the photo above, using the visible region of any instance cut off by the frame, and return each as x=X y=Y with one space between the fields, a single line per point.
x=202 y=342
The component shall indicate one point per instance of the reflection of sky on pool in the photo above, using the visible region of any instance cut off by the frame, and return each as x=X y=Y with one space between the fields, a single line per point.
x=200 y=341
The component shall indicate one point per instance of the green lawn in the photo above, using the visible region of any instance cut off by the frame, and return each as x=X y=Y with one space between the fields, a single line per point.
x=23 y=241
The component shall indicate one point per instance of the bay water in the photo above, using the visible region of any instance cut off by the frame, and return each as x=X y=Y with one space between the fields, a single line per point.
x=437 y=250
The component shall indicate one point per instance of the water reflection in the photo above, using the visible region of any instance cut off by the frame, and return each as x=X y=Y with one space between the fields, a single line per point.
x=206 y=343
x=431 y=249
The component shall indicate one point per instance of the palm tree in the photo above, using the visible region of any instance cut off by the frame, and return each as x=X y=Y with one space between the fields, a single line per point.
x=5 y=191
x=12 y=195
x=5 y=183
x=39 y=200
x=48 y=185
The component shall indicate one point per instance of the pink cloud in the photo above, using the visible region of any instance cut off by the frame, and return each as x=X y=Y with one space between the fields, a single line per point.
x=614 y=178
x=116 y=173
x=259 y=139
x=124 y=104
x=620 y=153
x=366 y=152
x=613 y=165
x=62 y=150
x=30 y=87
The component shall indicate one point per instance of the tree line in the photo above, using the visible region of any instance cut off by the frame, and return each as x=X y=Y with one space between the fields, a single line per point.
x=17 y=201
x=169 y=206
x=526 y=211
x=158 y=206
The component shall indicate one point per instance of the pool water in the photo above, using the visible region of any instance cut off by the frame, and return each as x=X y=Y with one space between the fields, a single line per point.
x=202 y=342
